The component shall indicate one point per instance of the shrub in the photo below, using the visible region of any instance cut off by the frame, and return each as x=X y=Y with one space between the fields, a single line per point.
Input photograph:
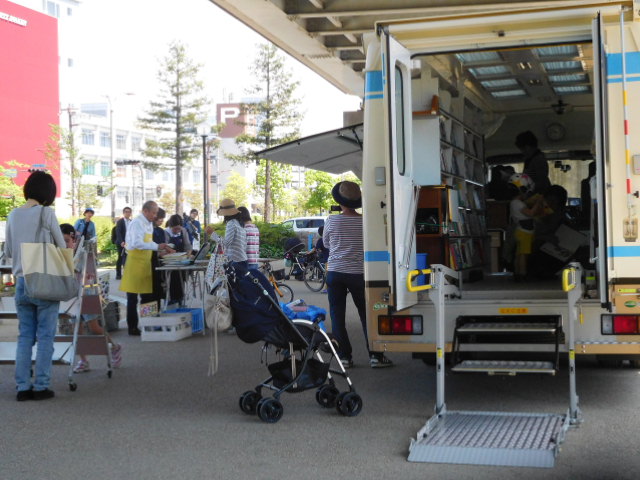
x=272 y=237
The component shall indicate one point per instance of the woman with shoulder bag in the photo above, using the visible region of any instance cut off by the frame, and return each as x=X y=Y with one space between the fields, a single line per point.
x=37 y=318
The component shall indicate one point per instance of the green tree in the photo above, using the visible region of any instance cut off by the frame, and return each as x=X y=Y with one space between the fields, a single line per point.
x=194 y=198
x=179 y=108
x=319 y=184
x=11 y=195
x=277 y=120
x=167 y=202
x=61 y=143
x=238 y=188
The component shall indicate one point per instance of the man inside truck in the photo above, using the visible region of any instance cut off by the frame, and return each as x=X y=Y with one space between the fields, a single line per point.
x=535 y=164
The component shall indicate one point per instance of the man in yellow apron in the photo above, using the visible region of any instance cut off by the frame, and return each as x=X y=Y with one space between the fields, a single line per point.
x=137 y=277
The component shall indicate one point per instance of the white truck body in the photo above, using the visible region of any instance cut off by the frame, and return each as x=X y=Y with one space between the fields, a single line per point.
x=410 y=62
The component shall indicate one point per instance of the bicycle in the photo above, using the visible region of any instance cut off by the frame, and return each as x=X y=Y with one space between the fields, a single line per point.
x=285 y=292
x=315 y=274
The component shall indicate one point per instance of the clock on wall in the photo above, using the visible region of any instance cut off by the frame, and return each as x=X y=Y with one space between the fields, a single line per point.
x=555 y=131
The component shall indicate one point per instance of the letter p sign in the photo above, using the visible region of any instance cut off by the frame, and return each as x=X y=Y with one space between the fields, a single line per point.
x=228 y=112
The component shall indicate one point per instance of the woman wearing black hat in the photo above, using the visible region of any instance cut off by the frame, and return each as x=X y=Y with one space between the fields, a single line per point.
x=342 y=236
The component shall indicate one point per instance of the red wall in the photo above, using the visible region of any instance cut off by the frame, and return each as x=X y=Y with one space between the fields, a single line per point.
x=28 y=87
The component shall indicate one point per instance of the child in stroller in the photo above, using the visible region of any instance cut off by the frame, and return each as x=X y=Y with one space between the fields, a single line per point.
x=257 y=316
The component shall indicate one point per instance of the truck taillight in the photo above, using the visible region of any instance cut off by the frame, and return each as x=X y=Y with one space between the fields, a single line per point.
x=620 y=324
x=400 y=324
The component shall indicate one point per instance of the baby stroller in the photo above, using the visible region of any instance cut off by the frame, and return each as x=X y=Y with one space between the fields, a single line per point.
x=298 y=344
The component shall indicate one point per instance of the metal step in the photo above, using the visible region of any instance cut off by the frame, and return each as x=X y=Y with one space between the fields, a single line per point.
x=490 y=438
x=499 y=327
x=505 y=367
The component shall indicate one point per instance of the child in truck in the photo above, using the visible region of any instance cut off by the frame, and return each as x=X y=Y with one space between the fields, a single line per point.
x=522 y=220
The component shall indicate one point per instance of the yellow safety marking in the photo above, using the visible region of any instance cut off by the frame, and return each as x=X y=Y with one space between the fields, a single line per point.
x=514 y=311
x=581 y=317
x=627 y=290
x=572 y=354
x=439 y=353
x=411 y=276
x=627 y=155
x=624 y=97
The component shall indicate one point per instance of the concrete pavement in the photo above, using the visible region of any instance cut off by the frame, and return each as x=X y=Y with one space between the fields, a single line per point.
x=162 y=417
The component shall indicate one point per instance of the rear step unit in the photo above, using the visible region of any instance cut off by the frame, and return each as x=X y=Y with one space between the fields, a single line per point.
x=490 y=438
x=497 y=438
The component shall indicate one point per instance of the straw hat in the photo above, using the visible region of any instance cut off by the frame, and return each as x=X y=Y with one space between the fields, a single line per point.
x=227 y=208
x=347 y=194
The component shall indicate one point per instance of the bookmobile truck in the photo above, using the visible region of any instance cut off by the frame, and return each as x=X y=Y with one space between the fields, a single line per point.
x=444 y=100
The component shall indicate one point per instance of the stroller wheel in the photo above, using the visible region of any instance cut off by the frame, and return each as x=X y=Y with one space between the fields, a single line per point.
x=248 y=401
x=349 y=404
x=270 y=410
x=326 y=396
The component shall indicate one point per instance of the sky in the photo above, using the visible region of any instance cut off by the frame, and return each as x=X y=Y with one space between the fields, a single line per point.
x=124 y=42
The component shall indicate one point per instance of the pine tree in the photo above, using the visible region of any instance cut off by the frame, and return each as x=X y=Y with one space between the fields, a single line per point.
x=180 y=107
x=277 y=120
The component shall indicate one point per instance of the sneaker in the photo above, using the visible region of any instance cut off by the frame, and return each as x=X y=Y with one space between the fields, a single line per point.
x=116 y=356
x=81 y=367
x=347 y=362
x=43 y=394
x=379 y=361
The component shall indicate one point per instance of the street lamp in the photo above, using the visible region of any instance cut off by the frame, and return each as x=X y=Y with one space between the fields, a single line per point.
x=204 y=130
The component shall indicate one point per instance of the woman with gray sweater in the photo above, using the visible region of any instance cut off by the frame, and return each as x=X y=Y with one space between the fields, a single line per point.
x=37 y=318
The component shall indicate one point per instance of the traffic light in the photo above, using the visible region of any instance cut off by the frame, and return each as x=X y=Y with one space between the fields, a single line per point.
x=158 y=191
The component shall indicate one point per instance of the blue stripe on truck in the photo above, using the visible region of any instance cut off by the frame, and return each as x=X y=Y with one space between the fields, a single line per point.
x=626 y=251
x=376 y=256
x=373 y=84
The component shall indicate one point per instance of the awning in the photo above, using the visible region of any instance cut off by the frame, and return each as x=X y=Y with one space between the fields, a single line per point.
x=336 y=151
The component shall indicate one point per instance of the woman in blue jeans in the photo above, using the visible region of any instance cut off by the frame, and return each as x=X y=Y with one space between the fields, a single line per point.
x=342 y=236
x=37 y=318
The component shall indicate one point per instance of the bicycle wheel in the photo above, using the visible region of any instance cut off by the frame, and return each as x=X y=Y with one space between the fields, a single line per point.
x=283 y=292
x=314 y=277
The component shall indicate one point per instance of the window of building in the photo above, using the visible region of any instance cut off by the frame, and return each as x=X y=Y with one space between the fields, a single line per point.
x=105 y=139
x=149 y=175
x=197 y=175
x=149 y=194
x=69 y=62
x=88 y=136
x=165 y=175
x=105 y=168
x=69 y=11
x=53 y=9
x=136 y=141
x=121 y=171
x=88 y=167
x=121 y=141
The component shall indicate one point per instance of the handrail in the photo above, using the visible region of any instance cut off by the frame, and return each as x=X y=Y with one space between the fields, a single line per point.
x=412 y=275
x=566 y=286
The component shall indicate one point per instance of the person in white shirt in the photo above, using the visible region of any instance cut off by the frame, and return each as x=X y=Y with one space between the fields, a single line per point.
x=137 y=277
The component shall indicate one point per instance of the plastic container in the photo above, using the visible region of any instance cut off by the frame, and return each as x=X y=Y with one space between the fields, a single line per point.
x=167 y=328
x=197 y=317
x=421 y=264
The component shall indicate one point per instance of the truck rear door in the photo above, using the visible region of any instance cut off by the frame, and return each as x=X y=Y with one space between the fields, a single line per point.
x=600 y=100
x=401 y=191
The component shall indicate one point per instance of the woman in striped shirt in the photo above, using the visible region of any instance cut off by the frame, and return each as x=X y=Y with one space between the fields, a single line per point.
x=253 y=239
x=235 y=237
x=342 y=236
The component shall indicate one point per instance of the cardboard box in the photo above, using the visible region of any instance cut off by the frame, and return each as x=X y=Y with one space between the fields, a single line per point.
x=166 y=328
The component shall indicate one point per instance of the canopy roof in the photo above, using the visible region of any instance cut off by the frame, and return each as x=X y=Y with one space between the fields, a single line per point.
x=337 y=151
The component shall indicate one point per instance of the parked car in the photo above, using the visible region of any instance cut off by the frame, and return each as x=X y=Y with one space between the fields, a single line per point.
x=305 y=226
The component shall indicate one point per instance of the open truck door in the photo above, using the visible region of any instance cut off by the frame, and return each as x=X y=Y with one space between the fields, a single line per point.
x=599 y=220
x=402 y=194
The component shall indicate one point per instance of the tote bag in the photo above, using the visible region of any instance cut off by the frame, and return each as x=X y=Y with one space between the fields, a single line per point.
x=215 y=268
x=48 y=269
